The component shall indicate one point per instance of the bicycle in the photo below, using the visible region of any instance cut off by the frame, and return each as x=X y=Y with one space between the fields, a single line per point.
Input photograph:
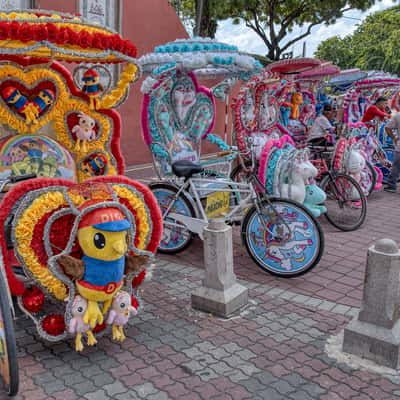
x=280 y=235
x=345 y=200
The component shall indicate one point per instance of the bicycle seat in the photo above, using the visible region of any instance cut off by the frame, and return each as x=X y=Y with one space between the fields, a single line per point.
x=186 y=168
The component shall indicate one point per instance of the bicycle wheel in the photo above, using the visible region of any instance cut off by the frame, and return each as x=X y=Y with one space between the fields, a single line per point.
x=345 y=202
x=8 y=347
x=368 y=178
x=238 y=174
x=284 y=238
x=175 y=238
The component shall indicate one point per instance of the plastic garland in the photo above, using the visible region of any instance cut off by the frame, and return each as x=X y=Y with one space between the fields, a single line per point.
x=201 y=55
x=61 y=36
x=128 y=75
x=218 y=141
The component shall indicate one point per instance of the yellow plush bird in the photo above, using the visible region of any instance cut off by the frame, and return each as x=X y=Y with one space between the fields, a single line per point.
x=102 y=236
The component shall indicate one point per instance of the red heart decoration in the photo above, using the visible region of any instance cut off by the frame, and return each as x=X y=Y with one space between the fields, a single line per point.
x=30 y=93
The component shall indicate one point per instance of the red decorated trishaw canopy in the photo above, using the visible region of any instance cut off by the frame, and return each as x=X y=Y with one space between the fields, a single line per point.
x=62 y=37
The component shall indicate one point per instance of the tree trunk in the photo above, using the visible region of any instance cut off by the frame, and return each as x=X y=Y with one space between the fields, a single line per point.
x=206 y=24
x=199 y=5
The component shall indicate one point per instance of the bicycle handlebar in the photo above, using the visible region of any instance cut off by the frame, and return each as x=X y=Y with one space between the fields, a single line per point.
x=19 y=178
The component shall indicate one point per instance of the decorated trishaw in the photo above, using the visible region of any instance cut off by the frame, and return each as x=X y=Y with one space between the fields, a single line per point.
x=281 y=158
x=281 y=236
x=76 y=238
x=372 y=139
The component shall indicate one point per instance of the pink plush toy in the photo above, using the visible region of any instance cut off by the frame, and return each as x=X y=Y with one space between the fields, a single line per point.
x=121 y=310
x=76 y=325
x=84 y=131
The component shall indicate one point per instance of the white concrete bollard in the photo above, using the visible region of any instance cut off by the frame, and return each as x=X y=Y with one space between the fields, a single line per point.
x=220 y=293
x=375 y=333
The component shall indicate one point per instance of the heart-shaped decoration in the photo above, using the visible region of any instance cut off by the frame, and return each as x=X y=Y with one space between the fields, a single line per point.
x=177 y=114
x=29 y=102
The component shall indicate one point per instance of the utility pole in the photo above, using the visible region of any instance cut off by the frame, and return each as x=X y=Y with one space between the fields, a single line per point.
x=304 y=48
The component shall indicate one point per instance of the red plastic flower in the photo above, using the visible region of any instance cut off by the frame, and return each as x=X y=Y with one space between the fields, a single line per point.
x=25 y=32
x=39 y=33
x=52 y=31
x=54 y=324
x=4 y=30
x=85 y=39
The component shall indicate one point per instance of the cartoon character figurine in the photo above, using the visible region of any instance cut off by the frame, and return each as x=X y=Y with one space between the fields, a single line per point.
x=119 y=314
x=92 y=87
x=102 y=236
x=285 y=109
x=76 y=325
x=84 y=131
x=35 y=154
x=14 y=98
x=297 y=101
x=44 y=99
x=94 y=165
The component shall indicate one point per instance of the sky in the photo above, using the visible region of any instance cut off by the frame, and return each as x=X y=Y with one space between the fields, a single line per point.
x=247 y=40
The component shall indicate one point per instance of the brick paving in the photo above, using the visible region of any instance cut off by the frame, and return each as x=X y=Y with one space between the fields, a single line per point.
x=274 y=349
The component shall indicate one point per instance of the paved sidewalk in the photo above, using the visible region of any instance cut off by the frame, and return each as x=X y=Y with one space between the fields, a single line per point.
x=340 y=274
x=273 y=350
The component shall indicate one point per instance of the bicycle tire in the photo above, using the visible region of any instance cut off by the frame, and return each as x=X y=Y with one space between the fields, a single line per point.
x=239 y=170
x=305 y=249
x=9 y=370
x=355 y=200
x=183 y=237
x=369 y=169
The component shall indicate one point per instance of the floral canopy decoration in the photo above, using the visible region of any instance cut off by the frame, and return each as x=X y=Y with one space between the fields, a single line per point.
x=62 y=37
x=203 y=56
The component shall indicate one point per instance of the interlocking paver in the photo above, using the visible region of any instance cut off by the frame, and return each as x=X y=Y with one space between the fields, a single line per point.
x=274 y=350
x=97 y=395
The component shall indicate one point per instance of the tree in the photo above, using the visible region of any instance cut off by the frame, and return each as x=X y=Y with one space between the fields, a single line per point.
x=337 y=50
x=373 y=46
x=201 y=15
x=273 y=20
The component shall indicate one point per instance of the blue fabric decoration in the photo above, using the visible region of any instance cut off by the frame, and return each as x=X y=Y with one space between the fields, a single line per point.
x=101 y=273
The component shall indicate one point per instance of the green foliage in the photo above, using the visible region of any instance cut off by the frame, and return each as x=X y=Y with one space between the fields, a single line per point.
x=272 y=20
x=373 y=46
x=337 y=50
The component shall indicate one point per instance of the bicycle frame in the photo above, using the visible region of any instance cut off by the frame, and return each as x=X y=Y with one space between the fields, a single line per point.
x=192 y=188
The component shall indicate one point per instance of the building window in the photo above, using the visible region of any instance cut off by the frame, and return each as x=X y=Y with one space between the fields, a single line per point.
x=103 y=12
x=16 y=4
x=106 y=13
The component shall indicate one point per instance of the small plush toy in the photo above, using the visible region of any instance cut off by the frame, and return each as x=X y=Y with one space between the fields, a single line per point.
x=297 y=101
x=102 y=236
x=76 y=325
x=92 y=87
x=14 y=98
x=44 y=99
x=118 y=317
x=84 y=131
x=315 y=196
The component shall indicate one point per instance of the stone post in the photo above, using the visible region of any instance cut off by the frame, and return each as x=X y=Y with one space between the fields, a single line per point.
x=375 y=333
x=220 y=293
